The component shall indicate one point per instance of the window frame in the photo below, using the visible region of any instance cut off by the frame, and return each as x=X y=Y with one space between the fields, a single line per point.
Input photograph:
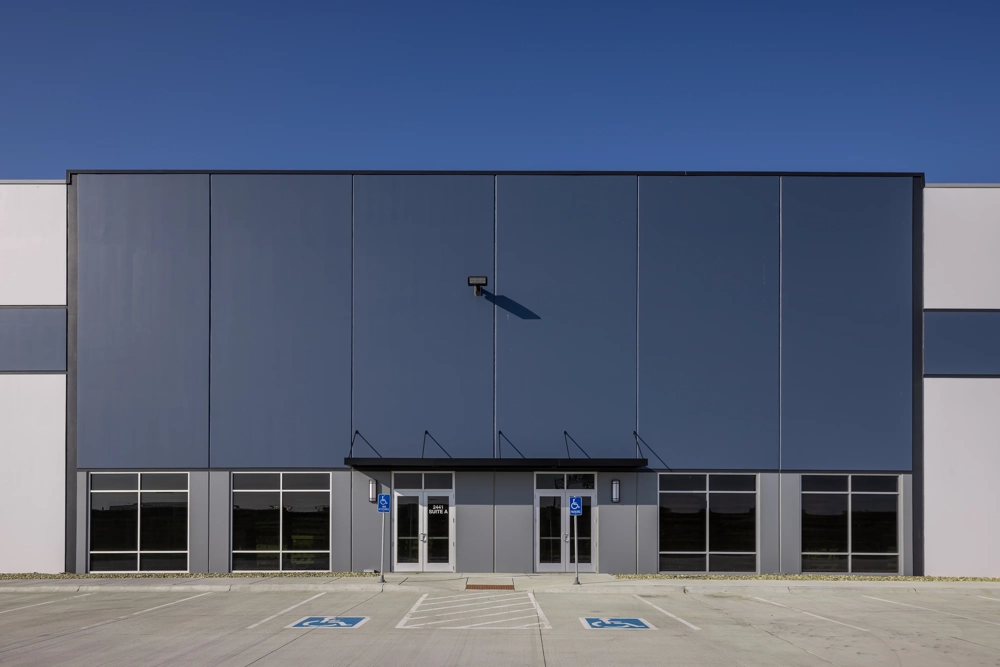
x=138 y=551
x=706 y=492
x=850 y=493
x=280 y=551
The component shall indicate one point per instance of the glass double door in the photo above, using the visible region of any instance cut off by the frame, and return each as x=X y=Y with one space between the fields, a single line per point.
x=424 y=531
x=555 y=532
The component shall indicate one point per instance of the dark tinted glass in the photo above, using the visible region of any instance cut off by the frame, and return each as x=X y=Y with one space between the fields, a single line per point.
x=112 y=562
x=172 y=481
x=824 y=522
x=875 y=564
x=682 y=482
x=255 y=562
x=824 y=563
x=306 y=521
x=732 y=482
x=255 y=521
x=682 y=563
x=408 y=529
x=874 y=483
x=732 y=563
x=682 y=522
x=305 y=561
x=164 y=522
x=163 y=562
x=732 y=522
x=408 y=480
x=127 y=482
x=257 y=480
x=584 y=481
x=547 y=481
x=549 y=529
x=114 y=521
x=873 y=523
x=824 y=482
x=437 y=480
x=309 y=481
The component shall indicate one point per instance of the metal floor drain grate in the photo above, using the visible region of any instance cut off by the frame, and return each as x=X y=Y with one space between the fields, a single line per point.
x=489 y=587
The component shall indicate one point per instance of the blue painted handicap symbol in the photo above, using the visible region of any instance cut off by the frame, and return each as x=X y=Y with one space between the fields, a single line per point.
x=345 y=622
x=575 y=506
x=616 y=624
x=383 y=502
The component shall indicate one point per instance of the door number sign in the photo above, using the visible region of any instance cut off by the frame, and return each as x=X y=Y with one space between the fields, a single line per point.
x=335 y=622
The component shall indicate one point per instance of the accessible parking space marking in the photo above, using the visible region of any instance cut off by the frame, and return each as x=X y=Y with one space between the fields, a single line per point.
x=667 y=613
x=809 y=613
x=285 y=611
x=7 y=611
x=517 y=611
x=938 y=611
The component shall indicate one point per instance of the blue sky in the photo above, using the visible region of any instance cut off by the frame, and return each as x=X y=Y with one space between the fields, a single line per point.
x=764 y=85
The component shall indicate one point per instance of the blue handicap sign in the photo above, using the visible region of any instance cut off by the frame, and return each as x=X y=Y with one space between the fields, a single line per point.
x=383 y=502
x=575 y=506
x=616 y=624
x=337 y=622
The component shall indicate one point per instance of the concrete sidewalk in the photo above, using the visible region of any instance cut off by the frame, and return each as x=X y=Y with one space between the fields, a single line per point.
x=429 y=583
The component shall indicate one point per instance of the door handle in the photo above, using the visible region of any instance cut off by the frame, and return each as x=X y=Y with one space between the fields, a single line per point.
x=565 y=537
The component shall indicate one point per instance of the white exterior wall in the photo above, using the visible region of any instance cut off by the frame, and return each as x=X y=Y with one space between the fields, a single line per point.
x=32 y=243
x=961 y=415
x=32 y=473
x=961 y=460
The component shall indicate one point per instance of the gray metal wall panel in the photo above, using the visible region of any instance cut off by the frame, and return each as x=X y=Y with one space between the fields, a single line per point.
x=847 y=323
x=82 y=525
x=616 y=524
x=198 y=510
x=769 y=523
x=281 y=320
x=220 y=509
x=515 y=521
x=474 y=521
x=648 y=523
x=423 y=342
x=966 y=343
x=366 y=522
x=709 y=321
x=791 y=523
x=566 y=286
x=961 y=245
x=32 y=339
x=340 y=528
x=143 y=326
x=906 y=497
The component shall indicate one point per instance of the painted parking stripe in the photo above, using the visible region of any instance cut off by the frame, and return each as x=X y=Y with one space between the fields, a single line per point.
x=526 y=603
x=502 y=620
x=473 y=604
x=284 y=611
x=483 y=597
x=543 y=621
x=7 y=611
x=664 y=611
x=809 y=613
x=121 y=618
x=905 y=604
x=402 y=623
x=988 y=598
x=507 y=611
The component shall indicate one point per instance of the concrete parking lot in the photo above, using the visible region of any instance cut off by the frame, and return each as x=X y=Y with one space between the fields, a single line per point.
x=752 y=626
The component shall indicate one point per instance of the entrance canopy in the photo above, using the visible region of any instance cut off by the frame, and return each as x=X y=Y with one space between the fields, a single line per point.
x=495 y=464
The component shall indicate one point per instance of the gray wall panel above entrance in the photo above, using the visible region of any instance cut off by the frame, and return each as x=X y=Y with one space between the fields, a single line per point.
x=514 y=521
x=474 y=527
x=220 y=509
x=616 y=524
x=423 y=342
x=647 y=523
x=366 y=522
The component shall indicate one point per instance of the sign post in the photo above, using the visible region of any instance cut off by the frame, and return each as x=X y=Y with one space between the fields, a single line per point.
x=383 y=509
x=575 y=510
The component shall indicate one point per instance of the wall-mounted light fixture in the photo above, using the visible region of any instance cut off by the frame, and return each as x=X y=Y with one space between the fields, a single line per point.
x=616 y=491
x=478 y=283
x=372 y=490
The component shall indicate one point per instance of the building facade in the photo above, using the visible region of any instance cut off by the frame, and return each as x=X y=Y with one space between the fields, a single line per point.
x=773 y=373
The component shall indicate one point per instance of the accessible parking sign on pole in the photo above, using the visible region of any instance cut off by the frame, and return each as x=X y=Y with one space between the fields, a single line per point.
x=575 y=510
x=384 y=503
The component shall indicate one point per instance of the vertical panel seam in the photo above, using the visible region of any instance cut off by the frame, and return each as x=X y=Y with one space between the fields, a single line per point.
x=637 y=303
x=351 y=434
x=781 y=288
x=209 y=452
x=496 y=288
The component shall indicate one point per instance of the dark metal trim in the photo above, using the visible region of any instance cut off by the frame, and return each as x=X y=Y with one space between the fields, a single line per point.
x=962 y=310
x=917 y=461
x=964 y=376
x=473 y=172
x=494 y=464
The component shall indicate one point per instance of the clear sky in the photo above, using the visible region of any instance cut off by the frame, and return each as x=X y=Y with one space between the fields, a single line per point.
x=764 y=85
